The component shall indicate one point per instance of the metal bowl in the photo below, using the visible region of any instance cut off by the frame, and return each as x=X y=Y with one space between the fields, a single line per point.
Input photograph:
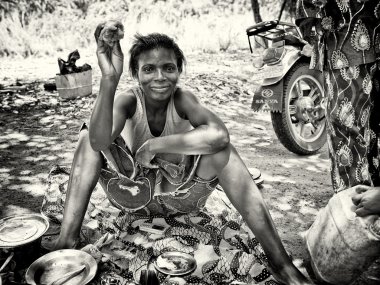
x=56 y=264
x=175 y=263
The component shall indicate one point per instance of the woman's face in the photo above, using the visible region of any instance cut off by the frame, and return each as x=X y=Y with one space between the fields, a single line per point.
x=158 y=73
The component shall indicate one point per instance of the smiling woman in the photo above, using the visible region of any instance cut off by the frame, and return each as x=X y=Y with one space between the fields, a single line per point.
x=158 y=74
x=158 y=140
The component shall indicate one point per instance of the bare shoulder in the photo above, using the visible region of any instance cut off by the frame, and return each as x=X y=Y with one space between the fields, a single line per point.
x=185 y=101
x=126 y=102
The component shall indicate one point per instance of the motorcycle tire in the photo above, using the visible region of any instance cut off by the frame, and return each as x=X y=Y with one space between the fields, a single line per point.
x=281 y=121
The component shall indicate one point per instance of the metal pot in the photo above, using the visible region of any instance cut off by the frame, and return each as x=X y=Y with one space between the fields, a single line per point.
x=22 y=235
x=26 y=254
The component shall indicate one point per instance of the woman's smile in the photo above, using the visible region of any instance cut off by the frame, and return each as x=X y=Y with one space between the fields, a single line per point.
x=160 y=89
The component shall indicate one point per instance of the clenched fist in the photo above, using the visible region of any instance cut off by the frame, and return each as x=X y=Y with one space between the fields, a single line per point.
x=109 y=53
x=111 y=32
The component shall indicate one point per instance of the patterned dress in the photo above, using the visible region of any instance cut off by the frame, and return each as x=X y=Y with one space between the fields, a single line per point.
x=347 y=50
x=198 y=219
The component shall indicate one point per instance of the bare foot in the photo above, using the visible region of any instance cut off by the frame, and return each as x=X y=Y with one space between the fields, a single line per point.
x=56 y=243
x=290 y=275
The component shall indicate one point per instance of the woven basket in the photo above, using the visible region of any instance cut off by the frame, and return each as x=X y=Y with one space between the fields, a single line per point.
x=74 y=84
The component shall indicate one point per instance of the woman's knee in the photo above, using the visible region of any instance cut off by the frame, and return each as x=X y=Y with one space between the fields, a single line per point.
x=211 y=164
x=220 y=158
x=84 y=141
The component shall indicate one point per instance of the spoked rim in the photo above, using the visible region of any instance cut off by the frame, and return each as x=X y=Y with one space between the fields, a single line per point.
x=306 y=91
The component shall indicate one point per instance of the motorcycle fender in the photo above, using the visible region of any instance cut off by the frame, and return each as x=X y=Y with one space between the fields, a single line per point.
x=268 y=98
x=288 y=61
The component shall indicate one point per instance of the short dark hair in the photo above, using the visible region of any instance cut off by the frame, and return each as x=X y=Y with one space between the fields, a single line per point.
x=149 y=42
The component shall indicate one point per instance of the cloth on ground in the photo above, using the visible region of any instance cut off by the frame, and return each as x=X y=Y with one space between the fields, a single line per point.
x=198 y=221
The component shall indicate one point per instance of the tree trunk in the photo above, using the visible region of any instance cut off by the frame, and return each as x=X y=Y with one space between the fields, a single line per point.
x=256 y=11
x=259 y=42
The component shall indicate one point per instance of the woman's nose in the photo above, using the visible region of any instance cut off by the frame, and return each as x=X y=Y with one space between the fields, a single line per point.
x=159 y=74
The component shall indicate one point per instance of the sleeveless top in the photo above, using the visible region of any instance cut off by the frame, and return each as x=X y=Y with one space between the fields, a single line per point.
x=136 y=130
x=175 y=169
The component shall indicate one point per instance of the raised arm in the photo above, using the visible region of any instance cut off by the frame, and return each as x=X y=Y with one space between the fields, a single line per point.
x=109 y=113
x=109 y=116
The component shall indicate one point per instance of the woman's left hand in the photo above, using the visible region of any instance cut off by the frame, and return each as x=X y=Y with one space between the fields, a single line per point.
x=144 y=156
x=367 y=200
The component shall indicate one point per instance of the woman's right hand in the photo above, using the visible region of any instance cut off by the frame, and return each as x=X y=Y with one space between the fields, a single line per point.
x=109 y=53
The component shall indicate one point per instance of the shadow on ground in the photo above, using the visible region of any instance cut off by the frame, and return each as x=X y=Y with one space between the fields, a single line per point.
x=31 y=142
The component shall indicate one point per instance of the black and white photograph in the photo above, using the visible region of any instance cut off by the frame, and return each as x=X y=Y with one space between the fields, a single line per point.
x=200 y=142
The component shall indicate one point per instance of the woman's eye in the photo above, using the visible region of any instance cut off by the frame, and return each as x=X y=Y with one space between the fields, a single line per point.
x=170 y=68
x=148 y=69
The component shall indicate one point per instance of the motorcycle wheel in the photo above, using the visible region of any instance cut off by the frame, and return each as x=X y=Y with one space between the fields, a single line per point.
x=296 y=135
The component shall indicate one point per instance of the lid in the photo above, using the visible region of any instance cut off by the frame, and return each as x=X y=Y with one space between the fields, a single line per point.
x=22 y=229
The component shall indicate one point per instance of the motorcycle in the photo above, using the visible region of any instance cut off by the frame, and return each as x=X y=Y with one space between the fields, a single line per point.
x=288 y=89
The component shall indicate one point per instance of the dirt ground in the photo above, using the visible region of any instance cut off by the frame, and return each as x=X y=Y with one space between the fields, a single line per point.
x=38 y=129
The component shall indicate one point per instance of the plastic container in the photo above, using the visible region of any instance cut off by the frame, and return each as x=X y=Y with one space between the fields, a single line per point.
x=74 y=84
x=342 y=245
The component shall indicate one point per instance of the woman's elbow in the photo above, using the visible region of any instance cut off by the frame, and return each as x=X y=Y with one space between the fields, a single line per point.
x=221 y=140
x=99 y=141
x=98 y=145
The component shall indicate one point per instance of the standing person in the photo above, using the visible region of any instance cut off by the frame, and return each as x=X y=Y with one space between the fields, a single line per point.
x=159 y=153
x=347 y=50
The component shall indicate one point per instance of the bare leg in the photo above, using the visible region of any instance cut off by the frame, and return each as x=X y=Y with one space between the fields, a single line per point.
x=85 y=171
x=243 y=193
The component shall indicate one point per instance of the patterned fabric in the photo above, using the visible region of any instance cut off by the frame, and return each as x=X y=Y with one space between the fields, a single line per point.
x=353 y=125
x=130 y=187
x=198 y=221
x=220 y=241
x=346 y=48
x=348 y=32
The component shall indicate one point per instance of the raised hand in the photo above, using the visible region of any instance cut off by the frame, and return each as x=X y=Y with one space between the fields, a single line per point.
x=109 y=53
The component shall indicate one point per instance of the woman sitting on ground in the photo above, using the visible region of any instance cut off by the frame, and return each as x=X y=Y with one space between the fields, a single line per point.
x=159 y=154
